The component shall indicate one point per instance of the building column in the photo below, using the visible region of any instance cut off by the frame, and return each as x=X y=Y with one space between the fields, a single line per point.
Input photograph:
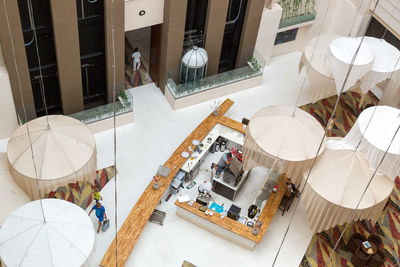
x=21 y=69
x=215 y=28
x=8 y=114
x=251 y=24
x=173 y=30
x=66 y=39
x=118 y=7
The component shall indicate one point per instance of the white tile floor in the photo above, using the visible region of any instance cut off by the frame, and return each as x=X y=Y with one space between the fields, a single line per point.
x=148 y=142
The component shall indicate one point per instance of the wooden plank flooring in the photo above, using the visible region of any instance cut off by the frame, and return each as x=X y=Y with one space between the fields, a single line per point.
x=266 y=215
x=141 y=212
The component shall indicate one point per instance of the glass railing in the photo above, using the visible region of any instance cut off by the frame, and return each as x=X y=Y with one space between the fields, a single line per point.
x=122 y=106
x=296 y=12
x=255 y=67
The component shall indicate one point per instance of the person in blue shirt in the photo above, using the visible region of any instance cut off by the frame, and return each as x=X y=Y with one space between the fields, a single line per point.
x=224 y=161
x=100 y=214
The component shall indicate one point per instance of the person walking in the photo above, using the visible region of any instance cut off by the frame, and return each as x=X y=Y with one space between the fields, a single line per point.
x=96 y=195
x=100 y=213
x=136 y=59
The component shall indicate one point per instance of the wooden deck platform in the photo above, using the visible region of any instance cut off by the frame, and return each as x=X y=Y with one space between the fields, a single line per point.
x=138 y=217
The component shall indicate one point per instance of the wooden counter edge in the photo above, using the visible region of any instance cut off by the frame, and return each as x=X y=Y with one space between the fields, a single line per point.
x=240 y=229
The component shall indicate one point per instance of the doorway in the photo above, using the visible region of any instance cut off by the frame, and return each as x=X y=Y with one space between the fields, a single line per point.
x=140 y=39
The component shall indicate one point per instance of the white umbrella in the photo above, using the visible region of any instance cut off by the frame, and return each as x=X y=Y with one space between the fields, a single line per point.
x=335 y=186
x=319 y=73
x=340 y=55
x=386 y=61
x=64 y=152
x=376 y=138
x=65 y=239
x=275 y=133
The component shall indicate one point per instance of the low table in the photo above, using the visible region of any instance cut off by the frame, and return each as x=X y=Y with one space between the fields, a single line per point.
x=373 y=247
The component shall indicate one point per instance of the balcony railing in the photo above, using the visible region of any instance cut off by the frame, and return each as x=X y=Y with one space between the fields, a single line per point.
x=296 y=12
x=122 y=106
x=255 y=66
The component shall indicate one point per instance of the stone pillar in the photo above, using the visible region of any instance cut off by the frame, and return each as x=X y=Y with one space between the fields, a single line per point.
x=12 y=44
x=66 y=39
x=8 y=114
x=173 y=30
x=215 y=27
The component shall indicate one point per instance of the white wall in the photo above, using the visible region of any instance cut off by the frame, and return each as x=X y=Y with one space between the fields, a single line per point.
x=8 y=115
x=154 y=13
x=267 y=31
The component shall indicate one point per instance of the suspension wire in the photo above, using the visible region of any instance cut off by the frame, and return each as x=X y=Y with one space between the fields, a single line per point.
x=365 y=190
x=115 y=135
x=308 y=64
x=363 y=134
x=321 y=143
x=24 y=108
x=41 y=84
x=376 y=170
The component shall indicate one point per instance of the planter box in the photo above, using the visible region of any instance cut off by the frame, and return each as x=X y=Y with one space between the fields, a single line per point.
x=212 y=93
x=107 y=124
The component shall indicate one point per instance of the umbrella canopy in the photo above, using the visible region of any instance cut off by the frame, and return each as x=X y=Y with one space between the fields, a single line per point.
x=320 y=76
x=375 y=128
x=340 y=55
x=65 y=239
x=275 y=133
x=64 y=151
x=335 y=186
x=386 y=61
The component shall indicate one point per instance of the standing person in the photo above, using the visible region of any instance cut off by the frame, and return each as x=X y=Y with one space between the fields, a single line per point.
x=96 y=195
x=100 y=214
x=136 y=59
x=224 y=161
x=205 y=188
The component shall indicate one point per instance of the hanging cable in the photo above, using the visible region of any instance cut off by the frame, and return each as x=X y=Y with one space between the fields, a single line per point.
x=365 y=190
x=24 y=108
x=322 y=141
x=115 y=135
x=41 y=84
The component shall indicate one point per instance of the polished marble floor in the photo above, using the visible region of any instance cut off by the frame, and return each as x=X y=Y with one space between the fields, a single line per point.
x=147 y=143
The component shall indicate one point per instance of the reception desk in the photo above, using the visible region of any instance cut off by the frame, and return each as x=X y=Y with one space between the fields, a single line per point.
x=230 y=229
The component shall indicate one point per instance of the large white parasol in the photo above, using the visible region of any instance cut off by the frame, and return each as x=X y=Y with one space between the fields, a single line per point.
x=275 y=132
x=386 y=61
x=64 y=152
x=335 y=186
x=319 y=73
x=65 y=239
x=340 y=57
x=375 y=138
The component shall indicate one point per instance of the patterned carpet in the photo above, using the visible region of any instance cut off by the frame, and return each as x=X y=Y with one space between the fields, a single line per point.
x=81 y=193
x=346 y=112
x=388 y=225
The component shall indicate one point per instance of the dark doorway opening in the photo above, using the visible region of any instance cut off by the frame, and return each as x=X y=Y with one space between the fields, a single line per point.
x=376 y=29
x=232 y=34
x=92 y=50
x=38 y=13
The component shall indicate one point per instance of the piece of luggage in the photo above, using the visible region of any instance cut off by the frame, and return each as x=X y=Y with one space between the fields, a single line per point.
x=105 y=225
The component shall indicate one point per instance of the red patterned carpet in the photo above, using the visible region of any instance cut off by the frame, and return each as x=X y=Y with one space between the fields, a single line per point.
x=81 y=193
x=388 y=226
